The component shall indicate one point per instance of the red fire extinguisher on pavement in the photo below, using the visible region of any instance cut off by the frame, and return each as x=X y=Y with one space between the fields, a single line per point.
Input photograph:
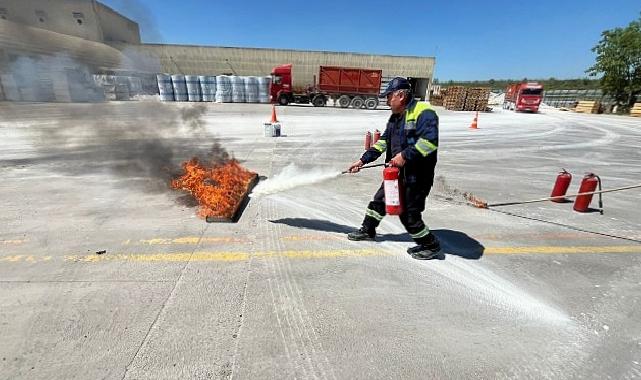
x=588 y=185
x=377 y=136
x=393 y=187
x=368 y=140
x=561 y=186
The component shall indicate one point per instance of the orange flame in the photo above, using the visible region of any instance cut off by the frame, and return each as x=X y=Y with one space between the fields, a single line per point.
x=219 y=189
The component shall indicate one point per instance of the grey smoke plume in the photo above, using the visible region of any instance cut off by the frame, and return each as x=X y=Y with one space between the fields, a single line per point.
x=141 y=14
x=143 y=143
x=47 y=78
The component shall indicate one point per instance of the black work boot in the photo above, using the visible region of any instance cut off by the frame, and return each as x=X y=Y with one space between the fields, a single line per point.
x=361 y=234
x=428 y=250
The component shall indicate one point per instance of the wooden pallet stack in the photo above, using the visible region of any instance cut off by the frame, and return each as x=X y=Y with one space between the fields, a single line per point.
x=466 y=99
x=636 y=110
x=436 y=100
x=455 y=98
x=477 y=99
x=587 y=106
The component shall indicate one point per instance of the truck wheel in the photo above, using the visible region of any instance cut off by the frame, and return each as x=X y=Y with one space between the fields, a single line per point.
x=357 y=102
x=343 y=101
x=282 y=100
x=318 y=101
x=371 y=103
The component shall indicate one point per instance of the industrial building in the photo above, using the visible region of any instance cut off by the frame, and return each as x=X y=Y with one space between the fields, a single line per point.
x=79 y=38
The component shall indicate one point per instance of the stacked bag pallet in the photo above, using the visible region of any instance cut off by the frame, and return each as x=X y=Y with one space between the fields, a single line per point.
x=636 y=110
x=220 y=89
x=587 y=106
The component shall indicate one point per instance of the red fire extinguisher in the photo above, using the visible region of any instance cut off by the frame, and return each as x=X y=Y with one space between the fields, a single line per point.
x=368 y=140
x=561 y=186
x=588 y=185
x=377 y=136
x=393 y=186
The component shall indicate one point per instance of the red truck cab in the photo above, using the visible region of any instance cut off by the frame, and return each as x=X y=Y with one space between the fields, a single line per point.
x=281 y=84
x=523 y=97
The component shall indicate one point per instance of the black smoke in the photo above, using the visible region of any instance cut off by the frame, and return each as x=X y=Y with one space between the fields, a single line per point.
x=143 y=144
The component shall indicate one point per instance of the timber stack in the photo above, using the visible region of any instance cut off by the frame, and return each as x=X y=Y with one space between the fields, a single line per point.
x=587 y=106
x=459 y=98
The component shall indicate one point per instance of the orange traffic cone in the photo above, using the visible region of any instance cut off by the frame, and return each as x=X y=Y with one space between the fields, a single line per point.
x=475 y=121
x=274 y=119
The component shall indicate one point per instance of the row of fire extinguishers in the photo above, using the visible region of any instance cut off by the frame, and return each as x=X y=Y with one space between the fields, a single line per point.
x=371 y=139
x=588 y=185
x=392 y=185
x=393 y=188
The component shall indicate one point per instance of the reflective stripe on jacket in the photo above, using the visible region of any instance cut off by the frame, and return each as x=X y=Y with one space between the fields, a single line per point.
x=420 y=145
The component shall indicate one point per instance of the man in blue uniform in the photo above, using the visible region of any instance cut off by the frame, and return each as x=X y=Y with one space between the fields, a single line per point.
x=410 y=142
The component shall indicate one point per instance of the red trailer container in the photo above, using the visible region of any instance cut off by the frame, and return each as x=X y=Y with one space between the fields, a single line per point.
x=347 y=86
x=332 y=79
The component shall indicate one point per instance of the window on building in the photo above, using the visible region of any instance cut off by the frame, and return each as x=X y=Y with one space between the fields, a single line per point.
x=3 y=13
x=41 y=16
x=80 y=18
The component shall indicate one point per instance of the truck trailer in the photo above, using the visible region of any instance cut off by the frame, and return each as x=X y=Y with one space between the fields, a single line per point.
x=523 y=97
x=347 y=86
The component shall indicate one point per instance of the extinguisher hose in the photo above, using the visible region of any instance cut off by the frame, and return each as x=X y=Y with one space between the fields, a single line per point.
x=600 y=196
x=365 y=167
x=486 y=205
x=574 y=228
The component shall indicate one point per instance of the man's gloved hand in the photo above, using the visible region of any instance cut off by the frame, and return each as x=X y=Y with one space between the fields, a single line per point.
x=398 y=161
x=355 y=167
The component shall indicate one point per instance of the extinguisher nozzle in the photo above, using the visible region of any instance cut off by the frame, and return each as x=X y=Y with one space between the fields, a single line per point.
x=475 y=201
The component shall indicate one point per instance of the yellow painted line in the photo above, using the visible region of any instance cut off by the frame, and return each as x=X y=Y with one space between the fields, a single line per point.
x=194 y=240
x=160 y=257
x=561 y=250
x=323 y=253
x=12 y=242
x=24 y=258
x=230 y=256
x=187 y=240
x=196 y=256
x=310 y=237
x=219 y=256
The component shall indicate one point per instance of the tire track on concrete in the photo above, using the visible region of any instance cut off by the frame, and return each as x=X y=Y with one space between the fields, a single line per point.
x=164 y=305
x=301 y=310
x=302 y=325
x=243 y=313
x=291 y=345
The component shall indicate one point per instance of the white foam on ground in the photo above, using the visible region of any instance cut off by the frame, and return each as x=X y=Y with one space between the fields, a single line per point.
x=478 y=282
x=469 y=278
x=292 y=176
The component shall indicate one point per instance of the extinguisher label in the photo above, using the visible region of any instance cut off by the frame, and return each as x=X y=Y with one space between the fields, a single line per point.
x=392 y=196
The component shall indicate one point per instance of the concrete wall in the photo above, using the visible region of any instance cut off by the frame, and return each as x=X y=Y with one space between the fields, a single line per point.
x=55 y=15
x=115 y=27
x=203 y=60
x=86 y=19
x=18 y=40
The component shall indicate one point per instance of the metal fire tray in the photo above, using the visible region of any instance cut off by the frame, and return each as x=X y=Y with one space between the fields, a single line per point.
x=240 y=207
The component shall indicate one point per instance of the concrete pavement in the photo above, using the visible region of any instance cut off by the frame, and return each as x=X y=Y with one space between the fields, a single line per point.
x=529 y=291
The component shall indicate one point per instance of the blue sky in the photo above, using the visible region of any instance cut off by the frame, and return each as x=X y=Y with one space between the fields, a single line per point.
x=470 y=39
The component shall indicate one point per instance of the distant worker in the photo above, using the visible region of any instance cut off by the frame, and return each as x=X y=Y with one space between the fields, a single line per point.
x=410 y=143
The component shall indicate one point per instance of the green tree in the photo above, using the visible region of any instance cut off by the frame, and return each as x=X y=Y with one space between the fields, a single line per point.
x=618 y=62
